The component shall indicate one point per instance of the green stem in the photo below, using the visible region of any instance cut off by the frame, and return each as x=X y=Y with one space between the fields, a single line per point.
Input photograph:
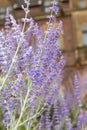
x=23 y=108
x=33 y=117
x=41 y=52
x=14 y=58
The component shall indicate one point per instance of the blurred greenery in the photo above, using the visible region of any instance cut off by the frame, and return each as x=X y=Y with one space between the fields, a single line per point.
x=1 y=80
x=1 y=117
x=22 y=128
x=73 y=115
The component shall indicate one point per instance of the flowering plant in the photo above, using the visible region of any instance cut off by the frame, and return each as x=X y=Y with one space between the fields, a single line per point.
x=31 y=66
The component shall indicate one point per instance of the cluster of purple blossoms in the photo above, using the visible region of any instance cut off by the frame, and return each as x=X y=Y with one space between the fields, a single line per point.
x=32 y=65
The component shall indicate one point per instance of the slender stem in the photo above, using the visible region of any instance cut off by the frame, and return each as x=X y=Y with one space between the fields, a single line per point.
x=33 y=117
x=23 y=107
x=14 y=58
x=11 y=66
x=41 y=52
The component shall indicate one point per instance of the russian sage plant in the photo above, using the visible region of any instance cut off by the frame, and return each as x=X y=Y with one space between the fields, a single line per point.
x=31 y=66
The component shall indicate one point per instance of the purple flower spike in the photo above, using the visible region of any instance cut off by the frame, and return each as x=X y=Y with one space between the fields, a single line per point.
x=77 y=90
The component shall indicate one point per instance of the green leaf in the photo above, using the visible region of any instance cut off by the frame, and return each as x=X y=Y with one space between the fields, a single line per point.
x=22 y=128
x=1 y=118
x=73 y=115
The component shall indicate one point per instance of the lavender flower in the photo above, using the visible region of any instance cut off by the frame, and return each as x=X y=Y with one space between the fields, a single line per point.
x=33 y=70
x=32 y=64
x=77 y=91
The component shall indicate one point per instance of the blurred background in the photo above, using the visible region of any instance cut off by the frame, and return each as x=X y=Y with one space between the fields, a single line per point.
x=73 y=43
